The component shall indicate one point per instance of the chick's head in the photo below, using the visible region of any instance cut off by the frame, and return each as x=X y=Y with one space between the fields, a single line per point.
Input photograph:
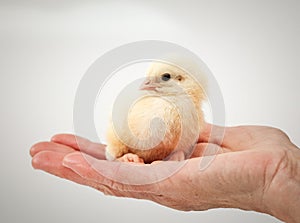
x=169 y=80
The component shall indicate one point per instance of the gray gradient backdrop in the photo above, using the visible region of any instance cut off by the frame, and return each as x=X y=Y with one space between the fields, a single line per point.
x=252 y=48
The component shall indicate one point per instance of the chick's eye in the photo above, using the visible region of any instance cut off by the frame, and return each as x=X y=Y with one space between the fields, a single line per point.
x=166 y=77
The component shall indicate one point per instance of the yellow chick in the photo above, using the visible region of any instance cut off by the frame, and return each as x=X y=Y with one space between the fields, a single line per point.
x=165 y=123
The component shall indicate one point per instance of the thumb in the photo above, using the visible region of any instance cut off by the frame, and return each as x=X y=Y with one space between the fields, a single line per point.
x=82 y=144
x=212 y=134
x=120 y=175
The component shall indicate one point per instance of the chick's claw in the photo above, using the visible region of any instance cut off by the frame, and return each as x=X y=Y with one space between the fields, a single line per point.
x=131 y=158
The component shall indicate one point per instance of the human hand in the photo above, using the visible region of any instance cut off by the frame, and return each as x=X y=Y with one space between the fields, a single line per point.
x=250 y=165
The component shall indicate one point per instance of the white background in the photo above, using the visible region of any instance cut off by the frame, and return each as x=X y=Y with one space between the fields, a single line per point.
x=252 y=48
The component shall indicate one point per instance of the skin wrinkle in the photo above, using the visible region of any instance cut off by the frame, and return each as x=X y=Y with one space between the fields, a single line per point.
x=294 y=170
x=142 y=195
x=283 y=181
x=245 y=190
x=280 y=165
x=213 y=195
x=105 y=182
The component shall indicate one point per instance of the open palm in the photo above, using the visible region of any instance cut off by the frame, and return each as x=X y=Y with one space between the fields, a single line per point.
x=238 y=167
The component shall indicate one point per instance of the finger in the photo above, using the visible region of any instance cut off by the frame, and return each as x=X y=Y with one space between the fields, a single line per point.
x=232 y=138
x=207 y=149
x=49 y=146
x=79 y=143
x=70 y=140
x=51 y=162
x=122 y=176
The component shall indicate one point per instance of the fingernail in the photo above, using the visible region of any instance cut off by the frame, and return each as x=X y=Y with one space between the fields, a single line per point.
x=32 y=151
x=36 y=147
x=72 y=159
x=35 y=163
x=38 y=161
x=54 y=138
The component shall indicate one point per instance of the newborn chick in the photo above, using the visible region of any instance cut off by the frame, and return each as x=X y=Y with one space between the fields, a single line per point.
x=163 y=124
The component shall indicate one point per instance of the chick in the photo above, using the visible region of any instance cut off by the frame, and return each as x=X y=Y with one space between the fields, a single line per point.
x=163 y=124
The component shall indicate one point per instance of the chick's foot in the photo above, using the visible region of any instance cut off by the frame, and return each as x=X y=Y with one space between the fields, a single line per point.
x=131 y=158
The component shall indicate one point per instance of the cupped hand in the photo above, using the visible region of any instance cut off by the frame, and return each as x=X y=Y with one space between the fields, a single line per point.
x=238 y=167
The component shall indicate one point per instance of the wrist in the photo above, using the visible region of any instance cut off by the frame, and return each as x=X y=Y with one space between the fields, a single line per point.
x=282 y=189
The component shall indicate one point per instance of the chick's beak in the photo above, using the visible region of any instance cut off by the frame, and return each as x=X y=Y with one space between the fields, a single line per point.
x=149 y=85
